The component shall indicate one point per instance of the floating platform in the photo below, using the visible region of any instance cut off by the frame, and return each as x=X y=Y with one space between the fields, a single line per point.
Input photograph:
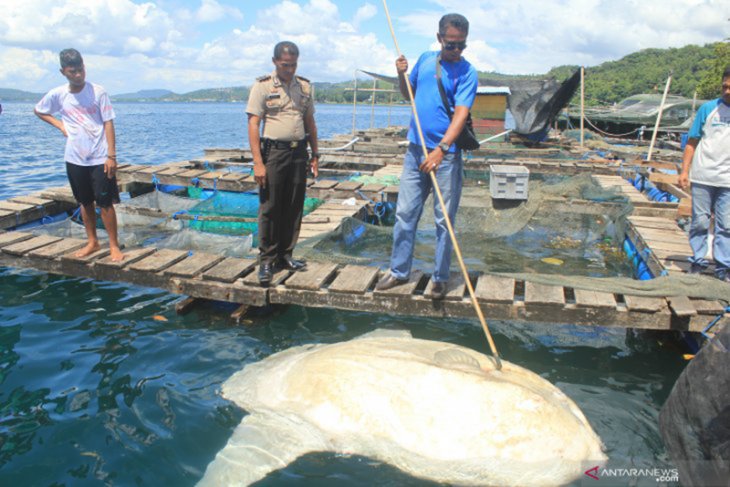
x=351 y=287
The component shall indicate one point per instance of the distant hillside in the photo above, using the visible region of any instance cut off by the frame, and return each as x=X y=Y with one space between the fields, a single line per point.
x=234 y=94
x=143 y=95
x=645 y=71
x=7 y=94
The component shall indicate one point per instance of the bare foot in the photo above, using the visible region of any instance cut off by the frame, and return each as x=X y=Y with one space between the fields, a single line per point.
x=89 y=249
x=116 y=254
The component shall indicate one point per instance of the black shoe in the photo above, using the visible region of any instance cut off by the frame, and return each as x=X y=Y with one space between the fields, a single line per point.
x=438 y=291
x=289 y=264
x=388 y=282
x=265 y=273
x=696 y=269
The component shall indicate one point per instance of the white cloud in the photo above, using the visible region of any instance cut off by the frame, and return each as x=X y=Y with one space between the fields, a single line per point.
x=365 y=12
x=531 y=36
x=212 y=11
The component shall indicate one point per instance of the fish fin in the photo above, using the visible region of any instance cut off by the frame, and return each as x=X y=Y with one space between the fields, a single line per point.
x=261 y=444
x=455 y=358
x=383 y=333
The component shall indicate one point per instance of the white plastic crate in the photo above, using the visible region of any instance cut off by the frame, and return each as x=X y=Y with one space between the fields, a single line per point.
x=508 y=182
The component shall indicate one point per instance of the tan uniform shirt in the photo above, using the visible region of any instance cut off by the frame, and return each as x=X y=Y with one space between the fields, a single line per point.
x=282 y=107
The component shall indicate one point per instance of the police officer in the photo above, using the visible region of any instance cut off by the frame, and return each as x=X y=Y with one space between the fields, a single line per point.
x=285 y=104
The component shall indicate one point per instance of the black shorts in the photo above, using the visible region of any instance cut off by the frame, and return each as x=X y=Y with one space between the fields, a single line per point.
x=90 y=184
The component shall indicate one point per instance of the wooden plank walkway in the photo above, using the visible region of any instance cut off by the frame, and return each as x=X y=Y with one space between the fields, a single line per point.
x=662 y=244
x=350 y=287
x=20 y=210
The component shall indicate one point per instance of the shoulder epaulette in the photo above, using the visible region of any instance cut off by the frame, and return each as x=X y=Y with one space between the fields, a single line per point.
x=302 y=78
x=265 y=77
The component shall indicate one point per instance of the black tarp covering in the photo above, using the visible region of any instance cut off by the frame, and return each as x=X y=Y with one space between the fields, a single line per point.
x=695 y=420
x=535 y=103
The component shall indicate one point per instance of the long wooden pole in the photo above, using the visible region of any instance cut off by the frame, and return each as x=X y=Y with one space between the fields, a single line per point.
x=354 y=105
x=659 y=118
x=437 y=190
x=372 y=106
x=582 y=104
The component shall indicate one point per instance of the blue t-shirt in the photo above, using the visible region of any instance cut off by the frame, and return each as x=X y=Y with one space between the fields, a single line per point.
x=460 y=82
x=711 y=163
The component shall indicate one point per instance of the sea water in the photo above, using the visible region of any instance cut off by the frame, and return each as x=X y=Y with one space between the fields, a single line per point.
x=103 y=384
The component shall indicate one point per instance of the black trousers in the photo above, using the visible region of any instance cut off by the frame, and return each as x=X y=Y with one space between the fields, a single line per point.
x=281 y=202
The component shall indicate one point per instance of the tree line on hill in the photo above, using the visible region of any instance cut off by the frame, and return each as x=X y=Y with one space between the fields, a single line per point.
x=693 y=68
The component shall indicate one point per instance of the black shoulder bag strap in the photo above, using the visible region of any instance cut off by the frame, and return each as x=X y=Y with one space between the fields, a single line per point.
x=444 y=99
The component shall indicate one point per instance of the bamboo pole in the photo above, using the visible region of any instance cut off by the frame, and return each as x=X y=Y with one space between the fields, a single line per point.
x=659 y=118
x=582 y=104
x=694 y=102
x=372 y=106
x=440 y=198
x=354 y=105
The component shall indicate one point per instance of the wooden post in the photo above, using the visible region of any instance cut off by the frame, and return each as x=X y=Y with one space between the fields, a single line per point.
x=390 y=107
x=694 y=102
x=582 y=103
x=354 y=104
x=659 y=118
x=372 y=106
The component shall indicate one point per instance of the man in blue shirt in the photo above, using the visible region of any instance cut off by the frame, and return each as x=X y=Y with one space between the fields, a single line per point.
x=708 y=154
x=460 y=83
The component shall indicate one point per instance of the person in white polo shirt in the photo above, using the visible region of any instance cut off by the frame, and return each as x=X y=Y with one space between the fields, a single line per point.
x=706 y=165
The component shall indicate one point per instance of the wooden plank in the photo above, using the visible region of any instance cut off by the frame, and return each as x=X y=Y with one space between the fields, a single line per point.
x=160 y=260
x=405 y=289
x=681 y=306
x=59 y=248
x=172 y=171
x=348 y=186
x=543 y=294
x=10 y=206
x=495 y=289
x=184 y=306
x=213 y=175
x=644 y=304
x=592 y=299
x=99 y=254
x=22 y=248
x=354 y=279
x=276 y=279
x=705 y=307
x=324 y=184
x=311 y=277
x=372 y=188
x=193 y=265
x=191 y=174
x=235 y=176
x=32 y=200
x=130 y=257
x=229 y=269
x=455 y=287
x=9 y=238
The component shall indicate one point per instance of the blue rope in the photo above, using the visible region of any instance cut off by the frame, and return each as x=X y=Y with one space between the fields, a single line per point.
x=156 y=182
x=195 y=182
x=712 y=324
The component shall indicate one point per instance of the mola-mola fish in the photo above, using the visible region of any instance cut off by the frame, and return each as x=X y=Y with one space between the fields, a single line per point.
x=435 y=410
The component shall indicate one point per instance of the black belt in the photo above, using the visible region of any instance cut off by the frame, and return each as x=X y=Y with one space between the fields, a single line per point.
x=284 y=144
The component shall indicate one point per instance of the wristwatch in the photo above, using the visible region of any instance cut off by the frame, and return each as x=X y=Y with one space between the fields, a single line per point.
x=444 y=147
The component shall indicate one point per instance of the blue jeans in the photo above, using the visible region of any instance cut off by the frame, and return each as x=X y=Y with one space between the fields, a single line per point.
x=415 y=186
x=705 y=201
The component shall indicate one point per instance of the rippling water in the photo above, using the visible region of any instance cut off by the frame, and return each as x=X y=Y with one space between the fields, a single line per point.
x=102 y=383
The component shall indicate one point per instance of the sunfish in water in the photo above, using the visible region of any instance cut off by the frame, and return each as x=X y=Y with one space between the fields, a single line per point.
x=434 y=410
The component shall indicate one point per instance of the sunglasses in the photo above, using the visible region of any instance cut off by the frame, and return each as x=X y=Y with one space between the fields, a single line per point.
x=452 y=46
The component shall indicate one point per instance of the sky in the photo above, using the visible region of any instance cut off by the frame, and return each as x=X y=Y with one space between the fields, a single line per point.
x=184 y=45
